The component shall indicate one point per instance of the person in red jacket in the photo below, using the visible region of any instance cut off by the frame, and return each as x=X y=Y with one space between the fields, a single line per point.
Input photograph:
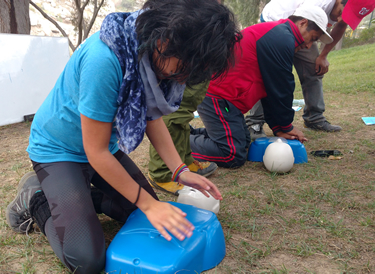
x=263 y=72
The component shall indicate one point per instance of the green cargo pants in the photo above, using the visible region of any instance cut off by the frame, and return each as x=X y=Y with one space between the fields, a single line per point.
x=178 y=126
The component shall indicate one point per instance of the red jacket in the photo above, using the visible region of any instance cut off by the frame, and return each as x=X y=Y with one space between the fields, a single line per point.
x=263 y=70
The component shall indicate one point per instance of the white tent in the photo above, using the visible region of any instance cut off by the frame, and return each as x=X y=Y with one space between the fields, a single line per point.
x=29 y=68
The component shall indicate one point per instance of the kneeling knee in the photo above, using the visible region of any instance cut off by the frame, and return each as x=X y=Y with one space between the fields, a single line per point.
x=86 y=263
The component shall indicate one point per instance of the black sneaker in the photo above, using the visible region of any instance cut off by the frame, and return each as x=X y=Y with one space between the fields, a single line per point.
x=256 y=131
x=323 y=126
x=192 y=129
x=17 y=212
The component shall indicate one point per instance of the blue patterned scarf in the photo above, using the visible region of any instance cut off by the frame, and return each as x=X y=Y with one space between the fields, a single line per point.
x=139 y=87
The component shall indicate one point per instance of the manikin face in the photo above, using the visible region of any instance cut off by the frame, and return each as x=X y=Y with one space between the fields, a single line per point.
x=336 y=12
x=308 y=36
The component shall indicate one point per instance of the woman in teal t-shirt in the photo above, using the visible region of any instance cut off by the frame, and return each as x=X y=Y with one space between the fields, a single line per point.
x=115 y=88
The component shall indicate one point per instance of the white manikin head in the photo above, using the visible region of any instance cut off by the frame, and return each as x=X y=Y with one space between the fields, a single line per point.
x=191 y=196
x=278 y=157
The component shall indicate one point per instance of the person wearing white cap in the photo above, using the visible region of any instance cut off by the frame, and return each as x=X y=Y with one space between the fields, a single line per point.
x=263 y=71
x=309 y=64
x=316 y=15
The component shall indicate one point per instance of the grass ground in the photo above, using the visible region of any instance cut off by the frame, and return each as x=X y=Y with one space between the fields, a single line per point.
x=319 y=218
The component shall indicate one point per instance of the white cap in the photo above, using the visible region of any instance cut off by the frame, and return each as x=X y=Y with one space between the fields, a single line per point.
x=318 y=16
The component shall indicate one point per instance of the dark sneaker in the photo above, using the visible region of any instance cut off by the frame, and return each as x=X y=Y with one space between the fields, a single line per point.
x=203 y=168
x=17 y=212
x=256 y=131
x=323 y=126
x=192 y=130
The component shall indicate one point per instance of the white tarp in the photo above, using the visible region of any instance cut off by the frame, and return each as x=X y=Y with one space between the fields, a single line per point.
x=29 y=68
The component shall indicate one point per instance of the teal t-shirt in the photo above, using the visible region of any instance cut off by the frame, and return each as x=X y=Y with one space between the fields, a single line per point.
x=89 y=85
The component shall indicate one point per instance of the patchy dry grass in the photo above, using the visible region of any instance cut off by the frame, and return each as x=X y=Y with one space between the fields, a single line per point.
x=319 y=218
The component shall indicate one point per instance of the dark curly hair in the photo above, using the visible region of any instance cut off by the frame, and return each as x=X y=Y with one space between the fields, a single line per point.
x=201 y=33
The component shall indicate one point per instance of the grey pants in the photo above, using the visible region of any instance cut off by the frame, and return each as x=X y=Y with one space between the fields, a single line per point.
x=312 y=89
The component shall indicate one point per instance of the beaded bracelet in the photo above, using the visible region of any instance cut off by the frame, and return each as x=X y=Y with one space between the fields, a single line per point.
x=178 y=171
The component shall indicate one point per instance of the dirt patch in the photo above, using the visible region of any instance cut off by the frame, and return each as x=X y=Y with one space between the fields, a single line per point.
x=313 y=264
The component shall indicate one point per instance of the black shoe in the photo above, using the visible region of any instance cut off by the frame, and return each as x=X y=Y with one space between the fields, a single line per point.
x=323 y=126
x=192 y=130
x=17 y=213
x=256 y=131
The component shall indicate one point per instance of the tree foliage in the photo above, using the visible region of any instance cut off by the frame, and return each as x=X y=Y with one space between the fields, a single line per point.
x=129 y=5
x=247 y=11
x=84 y=23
